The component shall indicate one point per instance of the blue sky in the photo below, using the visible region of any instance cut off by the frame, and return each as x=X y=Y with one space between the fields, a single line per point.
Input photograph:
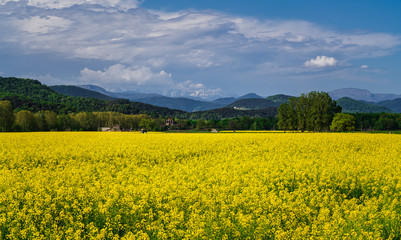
x=204 y=48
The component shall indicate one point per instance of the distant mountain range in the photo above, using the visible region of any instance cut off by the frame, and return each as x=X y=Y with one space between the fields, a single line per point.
x=362 y=94
x=130 y=95
x=28 y=94
x=351 y=100
x=180 y=103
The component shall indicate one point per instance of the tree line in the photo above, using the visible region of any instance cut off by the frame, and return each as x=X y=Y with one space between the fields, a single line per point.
x=314 y=111
x=26 y=121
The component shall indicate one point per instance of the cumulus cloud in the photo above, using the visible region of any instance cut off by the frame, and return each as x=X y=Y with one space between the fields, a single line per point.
x=122 y=75
x=321 y=61
x=55 y=4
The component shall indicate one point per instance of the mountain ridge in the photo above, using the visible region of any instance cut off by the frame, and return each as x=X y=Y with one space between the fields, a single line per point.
x=362 y=94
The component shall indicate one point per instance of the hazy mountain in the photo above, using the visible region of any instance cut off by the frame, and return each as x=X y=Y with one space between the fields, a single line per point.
x=189 y=104
x=362 y=94
x=350 y=105
x=95 y=88
x=249 y=96
x=393 y=105
x=225 y=101
x=75 y=91
x=185 y=104
x=130 y=95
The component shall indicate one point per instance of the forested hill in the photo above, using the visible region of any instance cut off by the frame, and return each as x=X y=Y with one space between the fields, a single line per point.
x=28 y=94
x=253 y=103
x=224 y=113
x=75 y=91
x=350 y=105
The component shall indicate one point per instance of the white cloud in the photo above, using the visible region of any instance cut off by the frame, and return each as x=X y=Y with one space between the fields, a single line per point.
x=58 y=4
x=321 y=61
x=202 y=58
x=189 y=88
x=364 y=66
x=42 y=25
x=121 y=75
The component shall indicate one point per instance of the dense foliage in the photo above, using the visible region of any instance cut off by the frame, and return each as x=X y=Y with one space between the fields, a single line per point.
x=378 y=122
x=343 y=122
x=309 y=112
x=7 y=117
x=224 y=113
x=200 y=186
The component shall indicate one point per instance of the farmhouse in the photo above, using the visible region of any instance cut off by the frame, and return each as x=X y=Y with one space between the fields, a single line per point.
x=114 y=128
x=170 y=122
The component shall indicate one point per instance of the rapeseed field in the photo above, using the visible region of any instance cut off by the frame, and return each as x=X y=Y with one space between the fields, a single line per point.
x=200 y=186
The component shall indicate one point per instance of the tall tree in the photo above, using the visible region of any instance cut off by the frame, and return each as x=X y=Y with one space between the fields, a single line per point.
x=292 y=117
x=283 y=116
x=7 y=117
x=25 y=121
x=303 y=112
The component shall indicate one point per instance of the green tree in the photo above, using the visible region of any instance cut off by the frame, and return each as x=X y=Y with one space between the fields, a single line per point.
x=200 y=124
x=292 y=117
x=321 y=111
x=25 y=121
x=50 y=120
x=283 y=116
x=146 y=123
x=87 y=121
x=7 y=117
x=387 y=121
x=303 y=112
x=343 y=122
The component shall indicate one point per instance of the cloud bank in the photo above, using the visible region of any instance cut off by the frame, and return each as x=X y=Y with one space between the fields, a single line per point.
x=118 y=42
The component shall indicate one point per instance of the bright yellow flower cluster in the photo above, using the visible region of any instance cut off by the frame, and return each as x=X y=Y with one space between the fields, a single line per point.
x=200 y=186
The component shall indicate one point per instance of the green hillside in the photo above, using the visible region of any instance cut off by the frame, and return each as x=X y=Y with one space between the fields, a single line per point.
x=75 y=91
x=393 y=105
x=184 y=104
x=279 y=98
x=253 y=103
x=225 y=113
x=350 y=105
x=27 y=94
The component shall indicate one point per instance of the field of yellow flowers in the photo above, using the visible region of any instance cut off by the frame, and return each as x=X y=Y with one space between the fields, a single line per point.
x=200 y=186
